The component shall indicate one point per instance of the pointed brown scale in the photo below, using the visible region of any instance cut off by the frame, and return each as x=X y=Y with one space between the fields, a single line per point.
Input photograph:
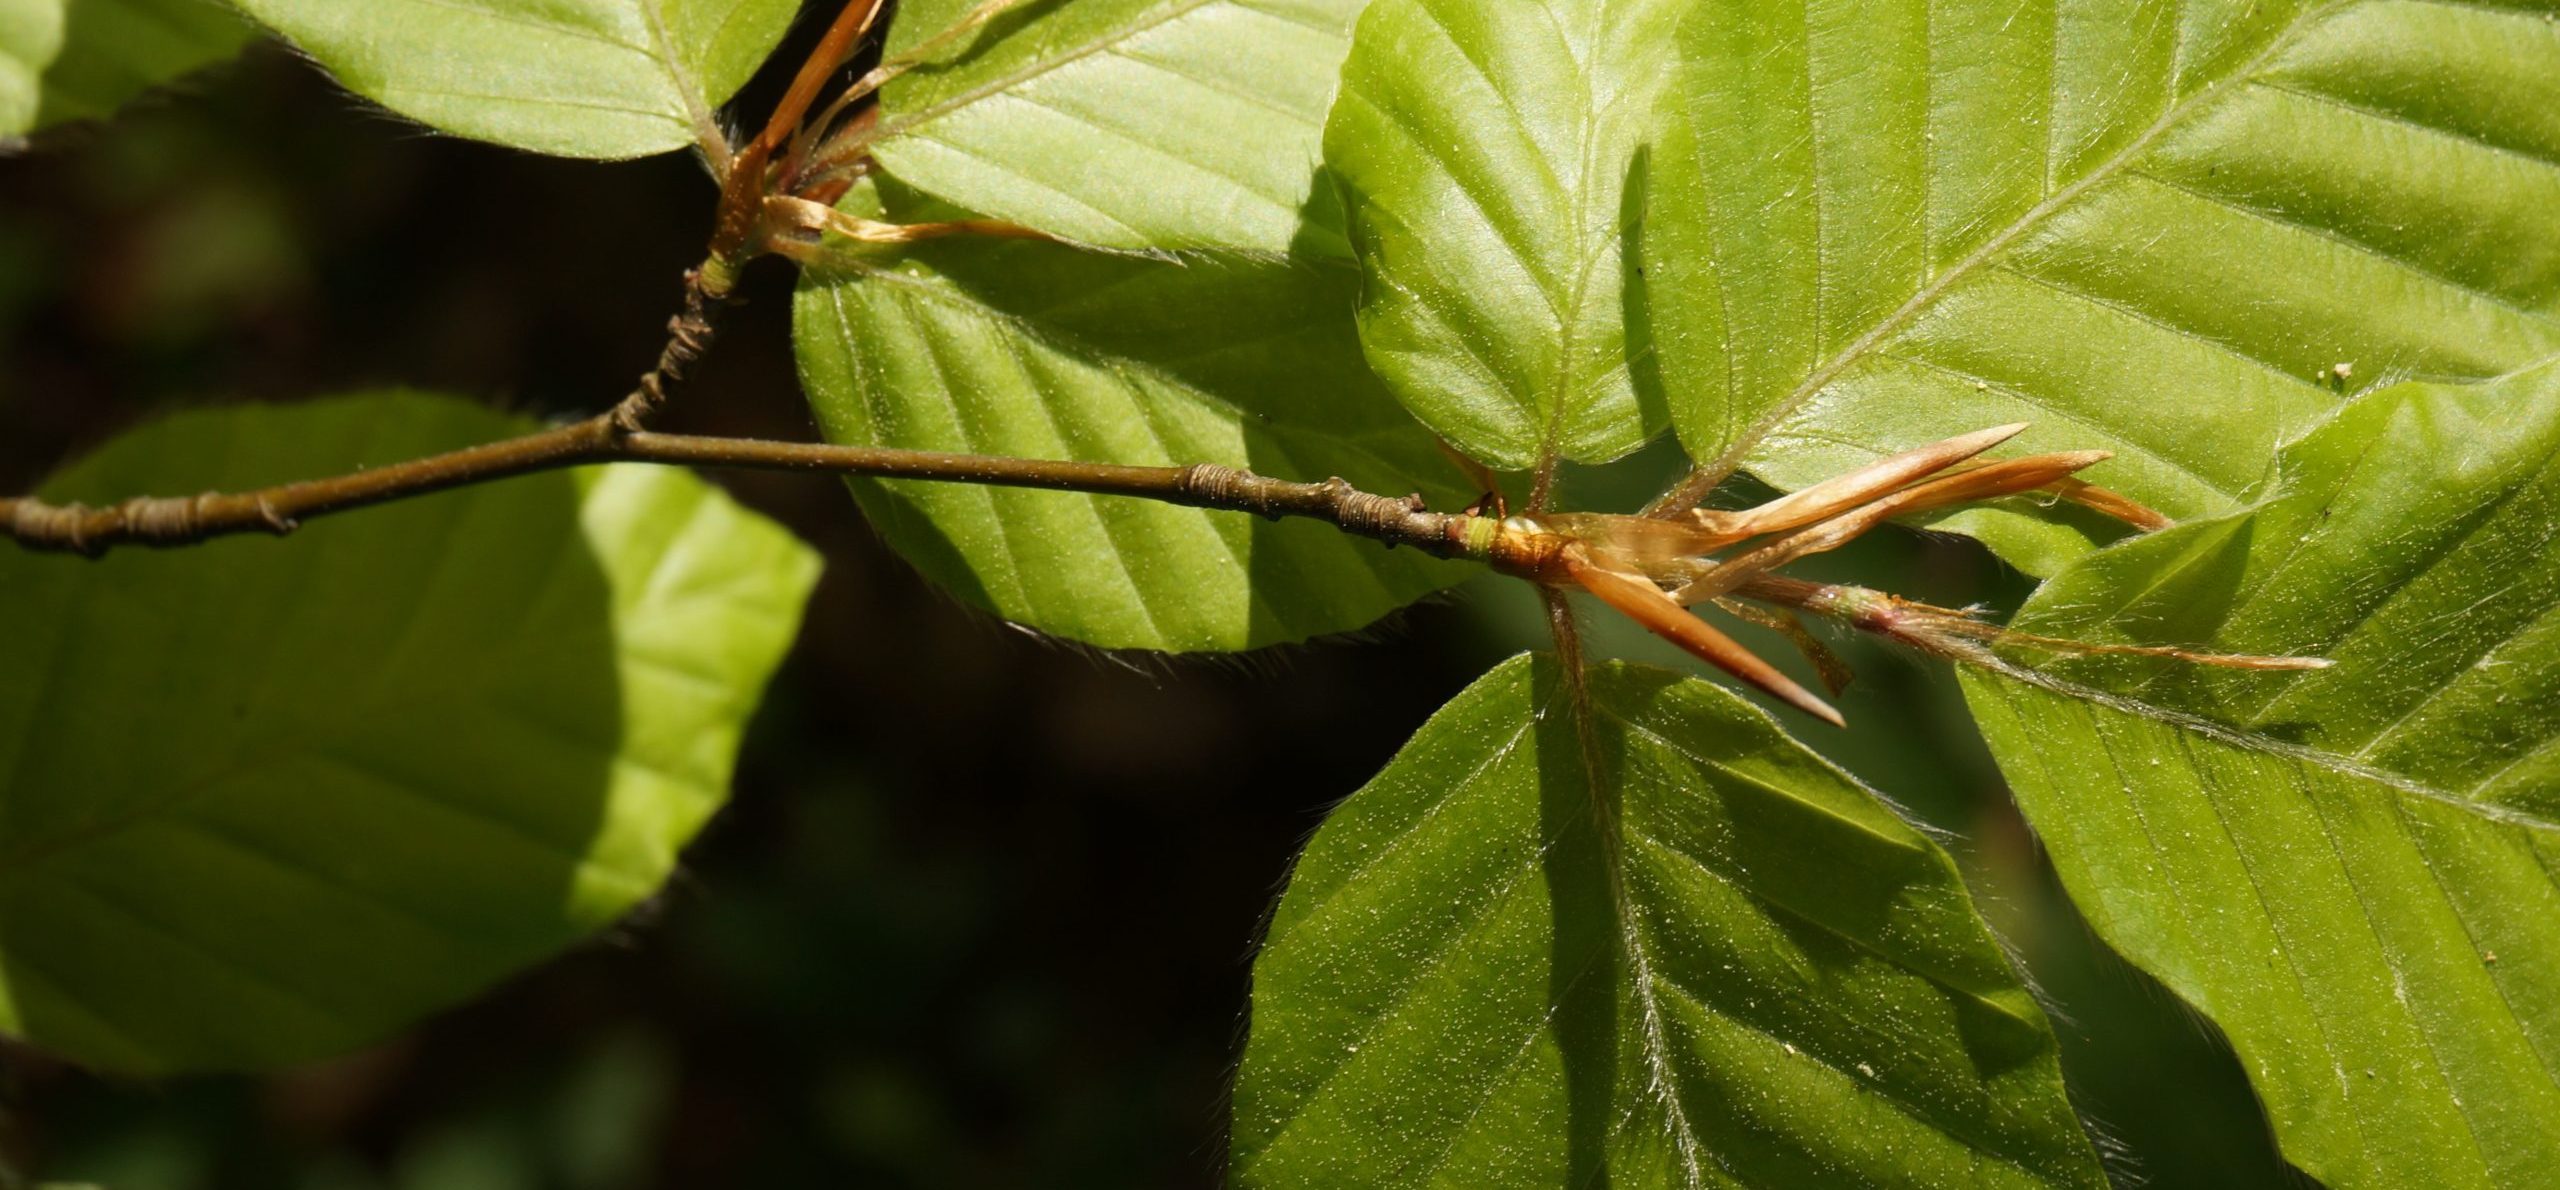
x=1653 y=545
x=2097 y=499
x=2112 y=503
x=2003 y=478
x=800 y=214
x=1635 y=596
x=2007 y=477
x=1843 y=492
x=1621 y=560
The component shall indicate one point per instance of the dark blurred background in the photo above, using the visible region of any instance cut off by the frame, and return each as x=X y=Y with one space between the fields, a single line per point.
x=982 y=909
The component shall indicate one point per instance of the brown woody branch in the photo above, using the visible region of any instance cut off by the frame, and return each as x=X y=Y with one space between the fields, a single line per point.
x=619 y=434
x=166 y=521
x=689 y=335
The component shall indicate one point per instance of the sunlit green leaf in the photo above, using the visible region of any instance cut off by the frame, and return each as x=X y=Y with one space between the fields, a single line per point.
x=30 y=37
x=579 y=78
x=263 y=801
x=1126 y=123
x=2158 y=229
x=1043 y=351
x=1727 y=963
x=114 y=50
x=2350 y=871
x=1485 y=153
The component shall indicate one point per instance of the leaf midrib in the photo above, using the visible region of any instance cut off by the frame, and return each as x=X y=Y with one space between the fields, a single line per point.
x=2248 y=740
x=679 y=72
x=1972 y=1140
x=1801 y=913
x=1609 y=821
x=1569 y=320
x=1992 y=249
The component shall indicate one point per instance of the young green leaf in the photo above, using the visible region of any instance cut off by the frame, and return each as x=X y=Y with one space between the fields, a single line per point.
x=577 y=78
x=264 y=801
x=2171 y=231
x=114 y=50
x=1486 y=154
x=1124 y=123
x=30 y=37
x=1725 y=963
x=64 y=60
x=2351 y=870
x=1042 y=351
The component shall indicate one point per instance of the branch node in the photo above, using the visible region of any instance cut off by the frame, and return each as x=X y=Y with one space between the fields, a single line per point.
x=50 y=526
x=1216 y=484
x=1367 y=514
x=171 y=517
x=277 y=522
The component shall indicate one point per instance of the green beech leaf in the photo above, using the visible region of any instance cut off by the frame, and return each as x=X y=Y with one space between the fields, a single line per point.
x=29 y=42
x=2351 y=871
x=1124 y=123
x=30 y=38
x=264 y=801
x=1485 y=153
x=1042 y=351
x=2152 y=228
x=114 y=50
x=63 y=60
x=1754 y=974
x=576 y=78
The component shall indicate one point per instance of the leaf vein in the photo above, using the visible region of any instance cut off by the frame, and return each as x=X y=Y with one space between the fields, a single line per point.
x=1991 y=249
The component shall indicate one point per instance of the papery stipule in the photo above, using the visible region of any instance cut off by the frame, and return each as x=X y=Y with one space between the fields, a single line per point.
x=2006 y=477
x=1636 y=597
x=1844 y=492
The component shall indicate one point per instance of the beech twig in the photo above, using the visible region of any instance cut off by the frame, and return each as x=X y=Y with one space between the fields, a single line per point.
x=166 y=521
x=689 y=335
x=621 y=435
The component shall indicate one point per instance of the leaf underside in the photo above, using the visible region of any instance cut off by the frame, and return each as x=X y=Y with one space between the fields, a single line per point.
x=575 y=78
x=65 y=60
x=2352 y=871
x=1043 y=351
x=1755 y=974
x=1126 y=123
x=263 y=801
x=2154 y=229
